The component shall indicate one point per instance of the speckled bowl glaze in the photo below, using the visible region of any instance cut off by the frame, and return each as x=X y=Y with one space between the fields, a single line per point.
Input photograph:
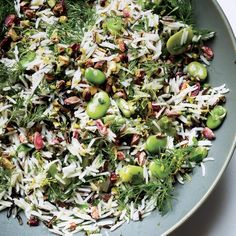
x=190 y=196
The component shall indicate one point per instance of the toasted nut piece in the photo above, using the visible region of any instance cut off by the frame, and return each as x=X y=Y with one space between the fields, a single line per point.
x=12 y=33
x=10 y=20
x=72 y=100
x=208 y=52
x=38 y=141
x=120 y=156
x=135 y=139
x=141 y=158
x=208 y=133
x=30 y=13
x=95 y=213
x=4 y=162
x=86 y=94
x=122 y=45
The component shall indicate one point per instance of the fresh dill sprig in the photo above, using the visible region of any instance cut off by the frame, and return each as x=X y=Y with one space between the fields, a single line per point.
x=80 y=17
x=180 y=9
x=161 y=190
x=8 y=77
x=204 y=33
x=5 y=178
x=183 y=11
x=22 y=114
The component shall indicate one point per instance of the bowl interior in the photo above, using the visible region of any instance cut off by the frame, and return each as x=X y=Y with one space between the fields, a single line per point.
x=189 y=196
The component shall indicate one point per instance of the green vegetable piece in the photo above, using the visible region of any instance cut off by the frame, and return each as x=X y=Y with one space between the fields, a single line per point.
x=95 y=76
x=27 y=58
x=109 y=119
x=53 y=170
x=216 y=117
x=178 y=43
x=114 y=25
x=98 y=106
x=147 y=4
x=23 y=148
x=198 y=154
x=126 y=108
x=155 y=143
x=51 y=3
x=131 y=174
x=197 y=70
x=166 y=125
x=158 y=169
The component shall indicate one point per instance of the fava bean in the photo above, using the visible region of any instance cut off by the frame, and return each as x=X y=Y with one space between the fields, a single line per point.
x=178 y=43
x=216 y=117
x=126 y=108
x=198 y=154
x=155 y=143
x=197 y=70
x=98 y=106
x=158 y=169
x=95 y=76
x=131 y=174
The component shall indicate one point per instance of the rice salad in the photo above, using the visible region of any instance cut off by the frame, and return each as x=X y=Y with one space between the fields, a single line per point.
x=104 y=107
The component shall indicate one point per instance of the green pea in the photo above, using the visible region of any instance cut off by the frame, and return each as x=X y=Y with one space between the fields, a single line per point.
x=98 y=106
x=95 y=76
x=114 y=25
x=158 y=169
x=27 y=58
x=216 y=117
x=197 y=70
x=126 y=108
x=178 y=43
x=155 y=143
x=131 y=174
x=198 y=154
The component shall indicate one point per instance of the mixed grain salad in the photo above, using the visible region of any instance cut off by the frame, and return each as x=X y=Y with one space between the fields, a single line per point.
x=104 y=107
